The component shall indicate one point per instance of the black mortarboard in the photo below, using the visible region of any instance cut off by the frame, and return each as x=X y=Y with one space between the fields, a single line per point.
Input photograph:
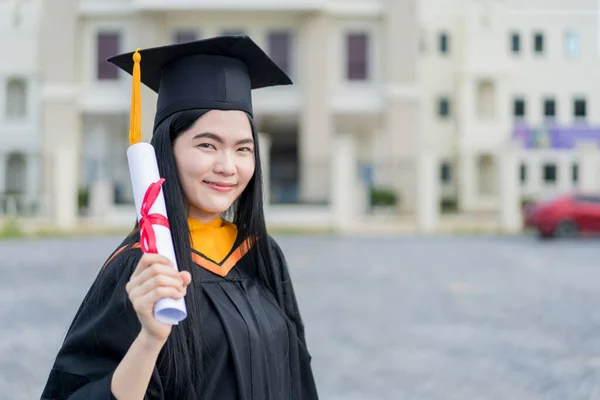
x=216 y=73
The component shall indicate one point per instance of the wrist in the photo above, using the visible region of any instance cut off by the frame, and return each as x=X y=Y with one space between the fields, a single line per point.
x=149 y=342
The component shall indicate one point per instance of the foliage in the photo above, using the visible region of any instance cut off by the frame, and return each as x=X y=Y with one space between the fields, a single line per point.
x=83 y=197
x=381 y=196
x=525 y=201
x=449 y=205
x=11 y=229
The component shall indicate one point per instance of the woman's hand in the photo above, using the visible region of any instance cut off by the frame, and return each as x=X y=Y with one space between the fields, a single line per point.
x=153 y=279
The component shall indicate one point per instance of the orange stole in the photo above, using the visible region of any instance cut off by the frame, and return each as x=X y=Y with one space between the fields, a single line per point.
x=221 y=269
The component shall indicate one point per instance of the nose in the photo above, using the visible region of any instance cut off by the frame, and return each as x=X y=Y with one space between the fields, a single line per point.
x=225 y=164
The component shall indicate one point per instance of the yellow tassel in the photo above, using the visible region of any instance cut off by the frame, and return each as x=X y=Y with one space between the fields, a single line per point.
x=135 y=117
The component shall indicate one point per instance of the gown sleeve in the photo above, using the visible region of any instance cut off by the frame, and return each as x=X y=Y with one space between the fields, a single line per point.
x=305 y=386
x=100 y=335
x=289 y=297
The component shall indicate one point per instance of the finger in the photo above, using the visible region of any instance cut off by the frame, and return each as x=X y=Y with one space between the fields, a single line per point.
x=149 y=259
x=147 y=302
x=156 y=282
x=186 y=277
x=149 y=299
x=157 y=269
x=148 y=273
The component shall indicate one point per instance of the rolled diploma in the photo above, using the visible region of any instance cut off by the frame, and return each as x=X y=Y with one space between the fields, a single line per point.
x=143 y=170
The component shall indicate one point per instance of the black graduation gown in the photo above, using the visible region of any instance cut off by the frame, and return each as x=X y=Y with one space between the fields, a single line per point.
x=252 y=354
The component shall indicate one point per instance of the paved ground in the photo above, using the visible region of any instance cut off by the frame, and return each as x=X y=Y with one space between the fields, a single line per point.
x=405 y=318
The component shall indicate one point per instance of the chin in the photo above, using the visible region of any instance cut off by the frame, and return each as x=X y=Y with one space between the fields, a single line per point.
x=210 y=202
x=216 y=207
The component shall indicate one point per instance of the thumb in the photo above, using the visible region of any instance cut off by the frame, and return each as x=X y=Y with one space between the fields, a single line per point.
x=186 y=277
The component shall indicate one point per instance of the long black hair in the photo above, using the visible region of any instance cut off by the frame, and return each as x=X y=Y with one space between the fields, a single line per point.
x=181 y=358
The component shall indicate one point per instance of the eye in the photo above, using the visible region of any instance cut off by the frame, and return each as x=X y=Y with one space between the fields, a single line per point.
x=207 y=146
x=245 y=149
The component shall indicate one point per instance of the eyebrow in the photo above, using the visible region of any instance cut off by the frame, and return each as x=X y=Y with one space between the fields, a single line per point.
x=217 y=138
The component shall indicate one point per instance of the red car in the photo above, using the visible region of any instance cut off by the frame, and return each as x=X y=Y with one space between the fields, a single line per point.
x=569 y=215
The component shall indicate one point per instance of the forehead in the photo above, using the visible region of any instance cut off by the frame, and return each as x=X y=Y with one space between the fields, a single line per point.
x=228 y=124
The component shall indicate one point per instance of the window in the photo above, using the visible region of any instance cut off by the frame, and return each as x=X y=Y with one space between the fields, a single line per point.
x=16 y=173
x=107 y=45
x=233 y=32
x=16 y=99
x=515 y=43
x=523 y=173
x=445 y=172
x=444 y=107
x=357 y=56
x=486 y=175
x=444 y=45
x=519 y=108
x=280 y=49
x=550 y=173
x=575 y=173
x=549 y=108
x=579 y=108
x=572 y=47
x=485 y=98
x=184 y=36
x=538 y=43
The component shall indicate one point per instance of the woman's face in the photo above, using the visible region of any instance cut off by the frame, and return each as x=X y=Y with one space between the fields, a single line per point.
x=215 y=162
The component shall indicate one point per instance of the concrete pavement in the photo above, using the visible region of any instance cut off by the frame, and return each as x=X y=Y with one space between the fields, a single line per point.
x=422 y=318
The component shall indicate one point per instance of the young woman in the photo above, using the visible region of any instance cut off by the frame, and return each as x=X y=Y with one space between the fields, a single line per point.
x=243 y=337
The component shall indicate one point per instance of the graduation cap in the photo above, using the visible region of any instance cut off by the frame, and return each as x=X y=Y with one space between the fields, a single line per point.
x=216 y=73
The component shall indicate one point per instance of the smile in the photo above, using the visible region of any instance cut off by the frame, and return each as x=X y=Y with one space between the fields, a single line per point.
x=220 y=186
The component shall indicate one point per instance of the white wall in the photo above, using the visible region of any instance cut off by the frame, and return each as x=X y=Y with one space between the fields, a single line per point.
x=535 y=186
x=350 y=97
x=438 y=72
x=346 y=97
x=553 y=73
x=19 y=41
x=483 y=51
x=480 y=48
x=103 y=96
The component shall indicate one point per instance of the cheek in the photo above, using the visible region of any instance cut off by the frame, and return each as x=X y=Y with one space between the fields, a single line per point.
x=191 y=168
x=246 y=170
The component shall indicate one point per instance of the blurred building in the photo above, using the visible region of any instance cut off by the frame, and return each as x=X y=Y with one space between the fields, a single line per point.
x=21 y=139
x=497 y=70
x=392 y=79
x=353 y=64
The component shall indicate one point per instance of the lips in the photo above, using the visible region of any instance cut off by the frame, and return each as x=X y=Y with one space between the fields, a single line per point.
x=220 y=186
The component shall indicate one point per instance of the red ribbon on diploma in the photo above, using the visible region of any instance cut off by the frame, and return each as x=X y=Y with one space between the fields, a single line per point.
x=147 y=236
